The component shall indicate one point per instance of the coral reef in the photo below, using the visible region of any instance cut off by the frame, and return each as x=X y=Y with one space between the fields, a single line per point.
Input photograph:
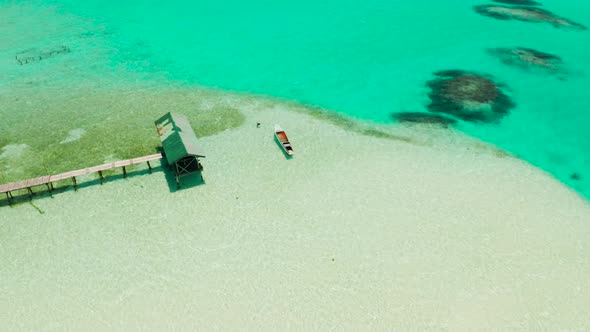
x=519 y=2
x=423 y=118
x=527 y=14
x=527 y=58
x=468 y=96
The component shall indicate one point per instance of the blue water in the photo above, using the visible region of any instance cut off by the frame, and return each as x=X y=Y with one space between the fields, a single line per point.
x=366 y=59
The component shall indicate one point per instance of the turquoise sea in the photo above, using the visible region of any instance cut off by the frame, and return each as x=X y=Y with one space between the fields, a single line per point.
x=366 y=59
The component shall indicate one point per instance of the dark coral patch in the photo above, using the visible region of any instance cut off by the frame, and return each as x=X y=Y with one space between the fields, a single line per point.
x=468 y=96
x=527 y=58
x=527 y=14
x=423 y=118
x=519 y=2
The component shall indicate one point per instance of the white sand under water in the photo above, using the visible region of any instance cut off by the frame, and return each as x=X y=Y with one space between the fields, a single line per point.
x=354 y=233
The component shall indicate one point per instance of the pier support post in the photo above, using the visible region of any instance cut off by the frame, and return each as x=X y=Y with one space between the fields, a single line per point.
x=100 y=176
x=30 y=193
x=75 y=183
x=124 y=172
x=8 y=198
x=49 y=189
x=149 y=167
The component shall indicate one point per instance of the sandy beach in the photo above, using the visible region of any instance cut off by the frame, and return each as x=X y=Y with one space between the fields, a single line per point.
x=404 y=229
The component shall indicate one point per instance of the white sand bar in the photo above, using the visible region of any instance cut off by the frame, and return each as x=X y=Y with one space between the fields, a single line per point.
x=354 y=233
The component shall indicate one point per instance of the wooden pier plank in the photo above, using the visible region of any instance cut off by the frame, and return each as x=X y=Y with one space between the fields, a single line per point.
x=43 y=180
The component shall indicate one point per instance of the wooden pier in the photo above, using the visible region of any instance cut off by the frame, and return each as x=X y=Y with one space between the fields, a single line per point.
x=48 y=180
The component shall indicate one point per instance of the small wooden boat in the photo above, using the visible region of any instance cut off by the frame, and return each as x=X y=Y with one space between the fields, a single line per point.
x=282 y=138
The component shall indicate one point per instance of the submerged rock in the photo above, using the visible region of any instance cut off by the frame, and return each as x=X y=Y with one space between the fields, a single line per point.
x=35 y=55
x=526 y=58
x=423 y=118
x=468 y=96
x=527 y=14
x=519 y=2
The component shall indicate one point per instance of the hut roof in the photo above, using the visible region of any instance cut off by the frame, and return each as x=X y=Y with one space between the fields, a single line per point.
x=177 y=137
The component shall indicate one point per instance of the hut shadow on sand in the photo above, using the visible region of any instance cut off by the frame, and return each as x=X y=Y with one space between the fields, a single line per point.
x=187 y=181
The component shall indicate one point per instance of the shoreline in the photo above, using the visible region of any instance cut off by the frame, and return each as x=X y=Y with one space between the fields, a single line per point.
x=201 y=103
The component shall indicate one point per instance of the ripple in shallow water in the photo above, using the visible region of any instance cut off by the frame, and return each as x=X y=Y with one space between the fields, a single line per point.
x=13 y=151
x=74 y=135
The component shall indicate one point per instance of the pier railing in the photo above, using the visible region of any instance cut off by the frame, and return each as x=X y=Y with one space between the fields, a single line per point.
x=48 y=180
